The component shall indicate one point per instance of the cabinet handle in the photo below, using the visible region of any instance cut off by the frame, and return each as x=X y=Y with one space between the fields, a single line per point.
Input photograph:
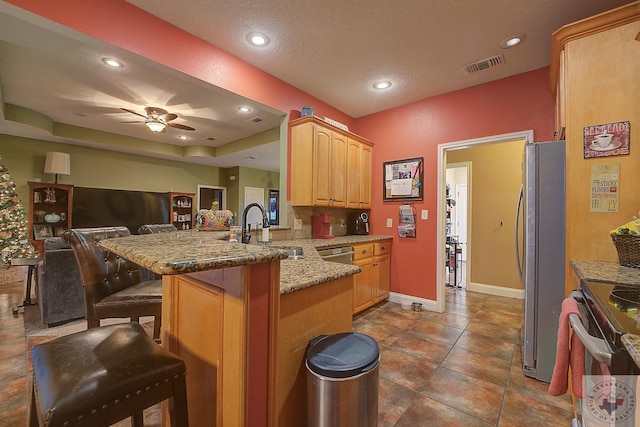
x=382 y=247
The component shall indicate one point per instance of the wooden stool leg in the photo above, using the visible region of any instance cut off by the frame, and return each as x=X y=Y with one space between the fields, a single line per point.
x=33 y=413
x=137 y=420
x=178 y=409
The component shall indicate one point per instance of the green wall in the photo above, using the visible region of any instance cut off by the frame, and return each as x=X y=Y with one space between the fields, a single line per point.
x=98 y=168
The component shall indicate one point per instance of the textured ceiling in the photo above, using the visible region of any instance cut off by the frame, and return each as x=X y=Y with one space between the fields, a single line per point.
x=333 y=50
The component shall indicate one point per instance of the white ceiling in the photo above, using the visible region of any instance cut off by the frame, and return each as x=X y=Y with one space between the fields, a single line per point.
x=331 y=49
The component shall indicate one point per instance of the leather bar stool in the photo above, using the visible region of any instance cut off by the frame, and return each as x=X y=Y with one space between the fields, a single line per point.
x=111 y=284
x=103 y=375
x=156 y=228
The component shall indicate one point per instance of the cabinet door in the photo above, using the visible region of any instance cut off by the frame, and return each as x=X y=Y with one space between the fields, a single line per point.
x=353 y=174
x=338 y=171
x=322 y=167
x=381 y=277
x=363 y=285
x=365 y=176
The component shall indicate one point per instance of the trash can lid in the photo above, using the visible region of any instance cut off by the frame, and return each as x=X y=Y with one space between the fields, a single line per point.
x=342 y=355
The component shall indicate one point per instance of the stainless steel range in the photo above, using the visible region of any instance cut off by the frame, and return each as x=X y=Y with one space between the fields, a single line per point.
x=608 y=311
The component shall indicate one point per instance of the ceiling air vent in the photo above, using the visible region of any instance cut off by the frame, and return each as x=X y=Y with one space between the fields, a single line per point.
x=484 y=64
x=256 y=120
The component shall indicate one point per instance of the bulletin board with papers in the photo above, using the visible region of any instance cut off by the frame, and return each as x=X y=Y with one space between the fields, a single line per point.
x=403 y=179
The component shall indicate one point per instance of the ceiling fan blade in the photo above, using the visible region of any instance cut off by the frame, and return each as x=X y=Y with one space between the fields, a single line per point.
x=179 y=126
x=155 y=112
x=132 y=121
x=133 y=112
x=168 y=117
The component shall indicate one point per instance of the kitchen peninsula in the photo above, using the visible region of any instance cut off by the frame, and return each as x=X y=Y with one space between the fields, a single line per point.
x=241 y=319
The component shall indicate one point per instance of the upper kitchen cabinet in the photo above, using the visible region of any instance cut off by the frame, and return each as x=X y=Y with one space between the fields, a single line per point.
x=358 y=175
x=595 y=75
x=329 y=166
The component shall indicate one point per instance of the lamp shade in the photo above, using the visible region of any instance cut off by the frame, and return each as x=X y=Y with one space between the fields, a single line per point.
x=57 y=163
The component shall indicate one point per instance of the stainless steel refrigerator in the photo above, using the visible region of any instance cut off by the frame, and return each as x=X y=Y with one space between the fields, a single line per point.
x=540 y=251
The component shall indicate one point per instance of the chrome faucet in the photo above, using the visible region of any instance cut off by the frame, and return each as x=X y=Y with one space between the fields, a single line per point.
x=246 y=234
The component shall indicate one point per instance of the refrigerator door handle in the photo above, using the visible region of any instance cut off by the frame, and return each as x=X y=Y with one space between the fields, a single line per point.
x=520 y=198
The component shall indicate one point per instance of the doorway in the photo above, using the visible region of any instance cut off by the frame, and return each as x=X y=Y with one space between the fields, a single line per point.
x=207 y=194
x=443 y=150
x=457 y=180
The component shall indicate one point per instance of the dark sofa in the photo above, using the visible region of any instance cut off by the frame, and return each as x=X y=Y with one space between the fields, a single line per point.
x=60 y=293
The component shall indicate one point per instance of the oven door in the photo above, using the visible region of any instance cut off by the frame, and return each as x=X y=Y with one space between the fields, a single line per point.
x=597 y=352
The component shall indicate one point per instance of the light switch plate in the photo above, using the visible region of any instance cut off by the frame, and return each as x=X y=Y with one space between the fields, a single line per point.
x=297 y=224
x=425 y=214
x=389 y=222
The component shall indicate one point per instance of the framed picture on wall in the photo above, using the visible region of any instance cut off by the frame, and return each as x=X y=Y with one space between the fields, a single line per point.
x=402 y=179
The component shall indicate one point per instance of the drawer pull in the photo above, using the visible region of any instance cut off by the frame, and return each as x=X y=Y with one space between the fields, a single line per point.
x=364 y=251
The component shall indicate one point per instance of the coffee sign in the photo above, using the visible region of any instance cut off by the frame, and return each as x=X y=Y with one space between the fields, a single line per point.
x=611 y=139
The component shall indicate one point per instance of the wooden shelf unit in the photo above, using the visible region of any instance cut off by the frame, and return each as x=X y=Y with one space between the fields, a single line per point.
x=181 y=214
x=48 y=202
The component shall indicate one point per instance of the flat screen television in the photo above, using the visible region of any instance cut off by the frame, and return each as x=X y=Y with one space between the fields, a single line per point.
x=100 y=207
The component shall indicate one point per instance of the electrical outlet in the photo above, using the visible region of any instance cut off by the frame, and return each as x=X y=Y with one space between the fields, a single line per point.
x=297 y=224
x=389 y=223
x=425 y=214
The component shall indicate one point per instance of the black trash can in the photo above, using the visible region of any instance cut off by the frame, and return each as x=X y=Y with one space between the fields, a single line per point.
x=342 y=380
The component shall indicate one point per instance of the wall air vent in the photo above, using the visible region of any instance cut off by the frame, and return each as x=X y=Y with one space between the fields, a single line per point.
x=484 y=64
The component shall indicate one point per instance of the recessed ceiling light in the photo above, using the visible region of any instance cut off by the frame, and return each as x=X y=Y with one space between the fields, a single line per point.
x=244 y=109
x=258 y=39
x=113 y=62
x=382 y=84
x=512 y=41
x=183 y=137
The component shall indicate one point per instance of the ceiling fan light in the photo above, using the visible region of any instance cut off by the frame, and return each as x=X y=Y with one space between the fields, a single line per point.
x=156 y=126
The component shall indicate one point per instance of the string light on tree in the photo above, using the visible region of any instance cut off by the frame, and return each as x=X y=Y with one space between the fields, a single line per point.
x=14 y=240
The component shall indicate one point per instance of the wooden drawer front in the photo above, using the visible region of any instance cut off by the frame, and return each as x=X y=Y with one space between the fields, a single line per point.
x=382 y=248
x=362 y=251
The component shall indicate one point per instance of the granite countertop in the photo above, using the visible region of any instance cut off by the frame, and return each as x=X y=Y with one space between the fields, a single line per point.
x=191 y=250
x=605 y=271
x=632 y=343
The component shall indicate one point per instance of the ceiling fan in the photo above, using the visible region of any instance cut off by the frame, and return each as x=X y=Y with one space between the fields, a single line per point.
x=158 y=119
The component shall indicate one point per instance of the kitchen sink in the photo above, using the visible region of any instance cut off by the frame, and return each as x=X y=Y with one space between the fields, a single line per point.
x=295 y=253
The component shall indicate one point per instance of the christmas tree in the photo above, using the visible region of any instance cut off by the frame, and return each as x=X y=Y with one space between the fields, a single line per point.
x=14 y=242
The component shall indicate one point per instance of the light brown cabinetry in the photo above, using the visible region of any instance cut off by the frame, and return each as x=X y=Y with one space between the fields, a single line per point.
x=371 y=285
x=50 y=211
x=599 y=60
x=223 y=323
x=181 y=214
x=324 y=162
x=303 y=316
x=358 y=175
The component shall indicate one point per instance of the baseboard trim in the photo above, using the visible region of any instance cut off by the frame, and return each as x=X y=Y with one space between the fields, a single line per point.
x=496 y=290
x=427 y=304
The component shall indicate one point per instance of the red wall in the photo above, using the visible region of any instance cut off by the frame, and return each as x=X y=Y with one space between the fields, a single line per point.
x=513 y=104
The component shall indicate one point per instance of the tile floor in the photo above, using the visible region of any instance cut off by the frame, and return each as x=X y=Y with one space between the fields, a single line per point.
x=460 y=368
